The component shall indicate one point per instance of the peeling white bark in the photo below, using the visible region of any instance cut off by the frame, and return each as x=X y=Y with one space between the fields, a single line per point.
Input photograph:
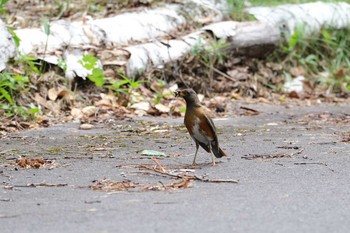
x=313 y=16
x=7 y=46
x=243 y=39
x=141 y=34
x=118 y=31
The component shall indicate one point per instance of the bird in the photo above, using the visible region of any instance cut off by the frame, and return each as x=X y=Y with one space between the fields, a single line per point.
x=199 y=125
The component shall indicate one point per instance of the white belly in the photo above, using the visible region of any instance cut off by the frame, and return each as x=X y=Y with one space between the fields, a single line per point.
x=200 y=135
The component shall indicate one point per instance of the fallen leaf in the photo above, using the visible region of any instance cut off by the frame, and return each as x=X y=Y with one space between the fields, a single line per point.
x=107 y=185
x=55 y=93
x=33 y=163
x=183 y=183
x=86 y=126
x=50 y=105
x=294 y=94
x=76 y=113
x=153 y=153
x=89 y=111
x=162 y=108
x=145 y=106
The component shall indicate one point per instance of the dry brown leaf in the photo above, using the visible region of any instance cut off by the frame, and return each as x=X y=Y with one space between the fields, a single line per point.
x=297 y=71
x=145 y=106
x=183 y=183
x=89 y=111
x=345 y=137
x=162 y=108
x=107 y=185
x=33 y=163
x=50 y=105
x=107 y=101
x=294 y=95
x=55 y=93
x=76 y=113
x=340 y=74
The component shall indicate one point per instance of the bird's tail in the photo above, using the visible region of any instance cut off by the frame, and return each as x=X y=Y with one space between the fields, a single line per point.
x=219 y=152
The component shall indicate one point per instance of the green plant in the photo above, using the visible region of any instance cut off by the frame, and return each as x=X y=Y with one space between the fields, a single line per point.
x=25 y=113
x=2 y=8
x=47 y=31
x=125 y=85
x=210 y=55
x=10 y=86
x=62 y=8
x=90 y=63
x=325 y=56
x=236 y=10
x=159 y=92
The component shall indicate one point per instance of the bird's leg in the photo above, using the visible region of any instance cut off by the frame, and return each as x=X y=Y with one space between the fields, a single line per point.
x=195 y=155
x=212 y=155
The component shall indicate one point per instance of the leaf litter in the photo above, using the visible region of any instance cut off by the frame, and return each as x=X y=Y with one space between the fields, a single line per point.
x=345 y=137
x=36 y=163
x=177 y=179
x=273 y=156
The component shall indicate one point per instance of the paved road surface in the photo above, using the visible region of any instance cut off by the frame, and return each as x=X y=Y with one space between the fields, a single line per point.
x=298 y=182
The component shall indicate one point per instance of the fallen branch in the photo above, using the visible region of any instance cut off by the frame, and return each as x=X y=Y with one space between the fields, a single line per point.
x=184 y=176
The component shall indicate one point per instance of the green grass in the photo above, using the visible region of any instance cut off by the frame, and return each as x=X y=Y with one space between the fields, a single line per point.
x=325 y=56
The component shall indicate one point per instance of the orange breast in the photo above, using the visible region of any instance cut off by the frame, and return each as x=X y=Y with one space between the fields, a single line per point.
x=199 y=127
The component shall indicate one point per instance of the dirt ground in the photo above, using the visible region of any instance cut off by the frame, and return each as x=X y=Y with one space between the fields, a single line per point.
x=287 y=171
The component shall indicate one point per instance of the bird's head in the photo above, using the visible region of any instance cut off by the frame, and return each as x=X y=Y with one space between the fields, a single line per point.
x=188 y=94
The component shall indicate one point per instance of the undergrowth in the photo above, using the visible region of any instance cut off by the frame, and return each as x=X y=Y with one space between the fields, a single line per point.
x=124 y=86
x=324 y=56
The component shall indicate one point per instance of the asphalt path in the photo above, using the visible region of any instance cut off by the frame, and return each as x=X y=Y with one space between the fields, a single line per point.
x=292 y=167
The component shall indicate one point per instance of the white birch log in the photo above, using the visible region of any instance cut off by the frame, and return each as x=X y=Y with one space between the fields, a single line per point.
x=145 y=31
x=311 y=16
x=121 y=30
x=247 y=38
x=7 y=46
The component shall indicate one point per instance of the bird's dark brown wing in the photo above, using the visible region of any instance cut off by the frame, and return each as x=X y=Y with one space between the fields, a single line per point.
x=217 y=151
x=207 y=125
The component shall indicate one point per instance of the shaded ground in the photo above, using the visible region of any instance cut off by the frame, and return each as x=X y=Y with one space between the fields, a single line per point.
x=291 y=163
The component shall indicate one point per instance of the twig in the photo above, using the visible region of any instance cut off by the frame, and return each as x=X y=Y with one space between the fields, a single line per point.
x=8 y=216
x=297 y=153
x=288 y=147
x=158 y=164
x=32 y=185
x=249 y=109
x=274 y=156
x=190 y=177
x=315 y=163
x=216 y=180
